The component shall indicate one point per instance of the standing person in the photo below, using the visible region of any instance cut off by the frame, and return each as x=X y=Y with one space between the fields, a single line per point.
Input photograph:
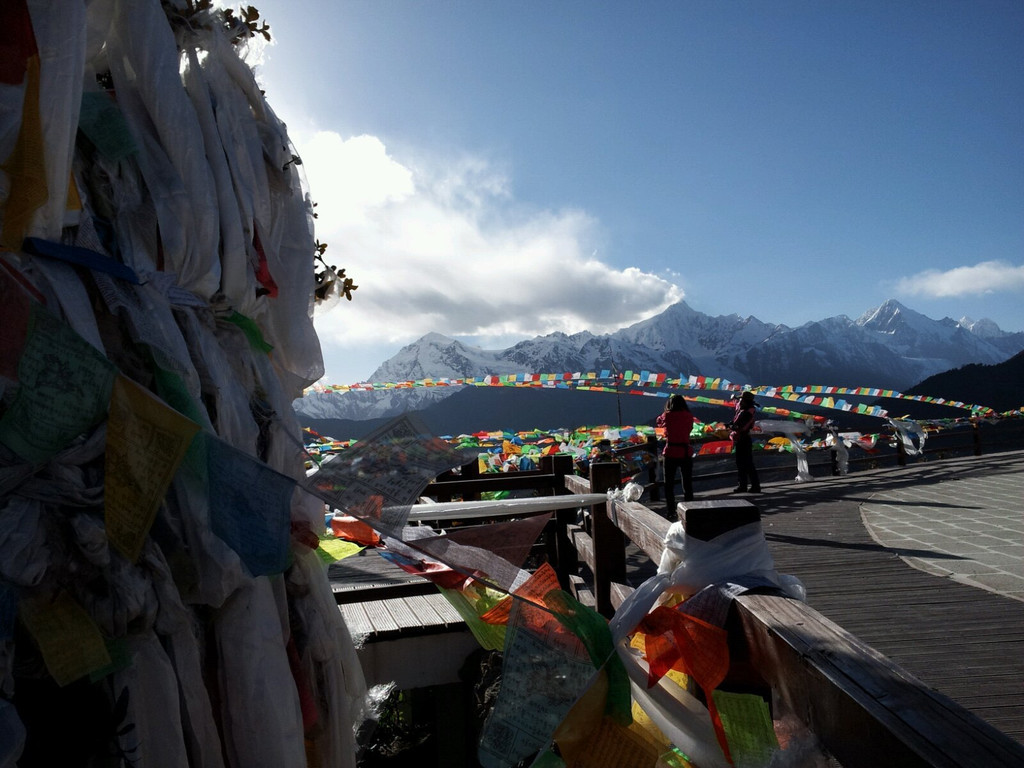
x=742 y=423
x=677 y=420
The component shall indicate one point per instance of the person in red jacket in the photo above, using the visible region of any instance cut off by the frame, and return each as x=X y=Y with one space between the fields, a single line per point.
x=677 y=421
x=743 y=445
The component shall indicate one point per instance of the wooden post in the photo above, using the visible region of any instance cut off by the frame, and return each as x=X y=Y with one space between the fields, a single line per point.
x=705 y=520
x=566 y=558
x=901 y=451
x=471 y=471
x=652 y=469
x=551 y=533
x=976 y=425
x=444 y=495
x=609 y=543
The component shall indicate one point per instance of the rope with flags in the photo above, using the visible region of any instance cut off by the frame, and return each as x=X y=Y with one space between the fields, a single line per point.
x=649 y=384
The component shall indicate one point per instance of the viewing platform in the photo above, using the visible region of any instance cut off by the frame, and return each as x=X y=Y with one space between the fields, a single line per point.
x=915 y=590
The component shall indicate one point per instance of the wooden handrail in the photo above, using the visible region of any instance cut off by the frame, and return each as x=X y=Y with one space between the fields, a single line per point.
x=549 y=478
x=504 y=481
x=863 y=707
x=470 y=483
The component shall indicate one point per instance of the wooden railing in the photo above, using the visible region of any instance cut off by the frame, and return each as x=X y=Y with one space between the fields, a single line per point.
x=468 y=483
x=977 y=439
x=864 y=708
x=568 y=547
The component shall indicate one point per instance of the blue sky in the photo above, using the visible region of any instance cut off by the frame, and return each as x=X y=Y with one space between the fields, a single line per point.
x=498 y=170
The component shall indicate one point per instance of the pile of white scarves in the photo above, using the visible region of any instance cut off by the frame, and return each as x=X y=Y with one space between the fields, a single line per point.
x=187 y=178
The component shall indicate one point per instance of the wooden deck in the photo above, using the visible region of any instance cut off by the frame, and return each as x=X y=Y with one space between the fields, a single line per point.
x=964 y=642
x=368 y=576
x=398 y=620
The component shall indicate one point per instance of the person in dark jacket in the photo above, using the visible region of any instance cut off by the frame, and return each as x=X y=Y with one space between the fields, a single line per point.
x=743 y=445
x=677 y=421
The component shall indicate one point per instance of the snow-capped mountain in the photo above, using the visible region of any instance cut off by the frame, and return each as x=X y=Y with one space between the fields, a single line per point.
x=939 y=344
x=891 y=347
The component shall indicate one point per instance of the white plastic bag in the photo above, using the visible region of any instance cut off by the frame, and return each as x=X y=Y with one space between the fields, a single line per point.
x=687 y=566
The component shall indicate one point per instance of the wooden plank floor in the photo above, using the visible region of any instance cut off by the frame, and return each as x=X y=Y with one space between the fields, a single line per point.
x=381 y=602
x=402 y=617
x=965 y=642
x=368 y=576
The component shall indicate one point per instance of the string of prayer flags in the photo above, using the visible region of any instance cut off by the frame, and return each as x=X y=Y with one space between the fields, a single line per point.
x=544 y=671
x=642 y=381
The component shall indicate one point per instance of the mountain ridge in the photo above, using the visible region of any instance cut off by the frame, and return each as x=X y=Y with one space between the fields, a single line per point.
x=890 y=346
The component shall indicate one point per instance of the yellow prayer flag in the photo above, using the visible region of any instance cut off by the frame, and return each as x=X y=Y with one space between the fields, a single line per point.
x=332 y=550
x=615 y=746
x=26 y=165
x=146 y=440
x=68 y=638
x=748 y=727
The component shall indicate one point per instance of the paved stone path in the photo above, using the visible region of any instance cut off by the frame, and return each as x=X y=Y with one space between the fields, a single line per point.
x=973 y=524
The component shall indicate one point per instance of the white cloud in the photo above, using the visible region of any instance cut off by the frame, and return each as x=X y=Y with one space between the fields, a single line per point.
x=982 y=278
x=449 y=250
x=351 y=177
